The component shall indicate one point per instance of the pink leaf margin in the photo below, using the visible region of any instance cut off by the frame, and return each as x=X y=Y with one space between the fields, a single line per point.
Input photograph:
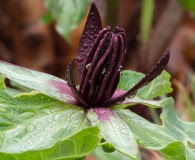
x=45 y=83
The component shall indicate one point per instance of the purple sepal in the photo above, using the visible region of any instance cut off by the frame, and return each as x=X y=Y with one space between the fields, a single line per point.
x=92 y=27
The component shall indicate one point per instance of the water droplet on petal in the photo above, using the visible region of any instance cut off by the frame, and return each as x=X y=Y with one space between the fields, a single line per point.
x=82 y=50
x=92 y=26
x=85 y=45
x=90 y=37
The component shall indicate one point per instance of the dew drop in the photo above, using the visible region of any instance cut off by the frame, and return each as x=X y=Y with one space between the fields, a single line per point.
x=82 y=50
x=124 y=131
x=120 y=68
x=93 y=118
x=3 y=110
x=79 y=59
x=13 y=103
x=45 y=110
x=90 y=37
x=27 y=114
x=85 y=45
x=92 y=26
x=30 y=128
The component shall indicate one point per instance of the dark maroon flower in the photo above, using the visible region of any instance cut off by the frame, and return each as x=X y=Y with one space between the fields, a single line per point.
x=100 y=57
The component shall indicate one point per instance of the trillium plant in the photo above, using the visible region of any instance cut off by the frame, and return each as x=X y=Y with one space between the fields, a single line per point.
x=61 y=120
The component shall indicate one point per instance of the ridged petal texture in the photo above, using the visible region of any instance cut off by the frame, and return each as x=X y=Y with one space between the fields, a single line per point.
x=100 y=58
x=101 y=74
x=92 y=28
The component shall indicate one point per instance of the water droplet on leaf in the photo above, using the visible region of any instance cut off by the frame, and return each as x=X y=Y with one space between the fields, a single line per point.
x=30 y=128
x=27 y=114
x=123 y=131
x=3 y=110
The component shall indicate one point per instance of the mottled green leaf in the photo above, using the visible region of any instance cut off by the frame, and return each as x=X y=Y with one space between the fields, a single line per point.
x=78 y=145
x=35 y=126
x=172 y=136
x=45 y=83
x=114 y=130
x=157 y=87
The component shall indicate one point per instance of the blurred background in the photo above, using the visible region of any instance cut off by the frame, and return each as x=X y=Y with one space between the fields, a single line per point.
x=44 y=35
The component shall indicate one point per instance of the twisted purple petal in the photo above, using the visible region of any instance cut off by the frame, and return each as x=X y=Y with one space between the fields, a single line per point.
x=155 y=71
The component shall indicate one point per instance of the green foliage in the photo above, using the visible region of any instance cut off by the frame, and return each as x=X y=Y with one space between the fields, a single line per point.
x=67 y=13
x=107 y=147
x=116 y=132
x=69 y=148
x=159 y=86
x=171 y=138
x=35 y=126
x=187 y=4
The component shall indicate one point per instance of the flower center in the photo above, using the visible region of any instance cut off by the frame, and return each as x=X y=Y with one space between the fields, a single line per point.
x=101 y=74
